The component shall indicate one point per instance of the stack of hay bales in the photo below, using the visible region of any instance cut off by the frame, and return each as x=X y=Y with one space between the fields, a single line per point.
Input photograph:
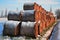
x=12 y=26
x=32 y=21
x=43 y=18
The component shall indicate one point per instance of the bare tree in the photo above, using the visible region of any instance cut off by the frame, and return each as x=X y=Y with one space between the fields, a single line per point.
x=57 y=12
x=6 y=12
x=2 y=13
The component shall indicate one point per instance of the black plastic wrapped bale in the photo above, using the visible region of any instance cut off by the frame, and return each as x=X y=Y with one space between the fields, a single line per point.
x=12 y=28
x=14 y=16
x=28 y=6
x=27 y=29
x=28 y=15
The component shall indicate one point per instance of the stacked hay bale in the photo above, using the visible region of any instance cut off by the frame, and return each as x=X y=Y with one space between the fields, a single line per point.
x=12 y=28
x=16 y=16
x=27 y=28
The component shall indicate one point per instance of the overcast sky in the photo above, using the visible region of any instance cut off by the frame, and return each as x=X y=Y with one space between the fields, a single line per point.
x=13 y=4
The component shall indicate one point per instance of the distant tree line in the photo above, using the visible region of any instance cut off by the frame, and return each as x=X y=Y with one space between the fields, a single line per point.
x=3 y=14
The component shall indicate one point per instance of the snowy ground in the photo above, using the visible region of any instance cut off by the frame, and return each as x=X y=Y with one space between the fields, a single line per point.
x=56 y=32
x=3 y=19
